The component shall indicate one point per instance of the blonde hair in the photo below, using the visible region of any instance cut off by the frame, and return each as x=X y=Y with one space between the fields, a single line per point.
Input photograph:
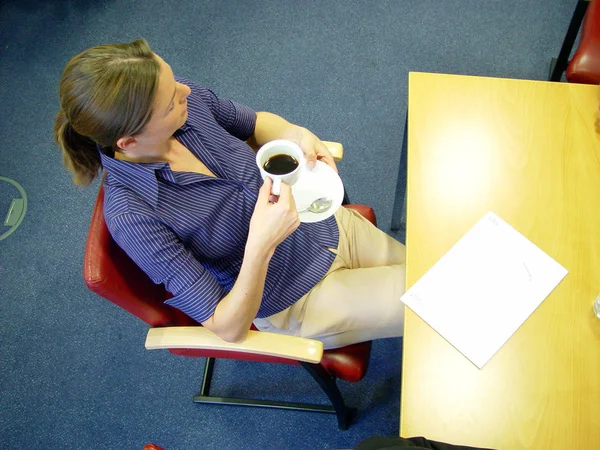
x=106 y=93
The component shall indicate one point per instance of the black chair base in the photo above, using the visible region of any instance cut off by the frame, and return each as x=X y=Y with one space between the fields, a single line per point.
x=327 y=383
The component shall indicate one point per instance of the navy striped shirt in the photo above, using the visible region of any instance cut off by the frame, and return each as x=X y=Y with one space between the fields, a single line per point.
x=189 y=230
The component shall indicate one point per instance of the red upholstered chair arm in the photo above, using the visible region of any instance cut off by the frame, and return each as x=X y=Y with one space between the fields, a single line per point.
x=585 y=65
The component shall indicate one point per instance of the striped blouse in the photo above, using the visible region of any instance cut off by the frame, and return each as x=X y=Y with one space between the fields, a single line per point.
x=188 y=230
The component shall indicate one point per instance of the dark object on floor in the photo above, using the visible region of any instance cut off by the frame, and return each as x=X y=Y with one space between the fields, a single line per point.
x=414 y=443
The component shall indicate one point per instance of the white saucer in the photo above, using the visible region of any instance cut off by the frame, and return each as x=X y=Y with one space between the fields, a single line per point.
x=322 y=181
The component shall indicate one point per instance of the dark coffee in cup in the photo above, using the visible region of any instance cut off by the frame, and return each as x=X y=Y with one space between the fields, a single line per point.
x=280 y=164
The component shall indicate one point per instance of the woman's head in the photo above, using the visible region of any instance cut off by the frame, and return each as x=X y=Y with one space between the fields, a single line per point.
x=106 y=93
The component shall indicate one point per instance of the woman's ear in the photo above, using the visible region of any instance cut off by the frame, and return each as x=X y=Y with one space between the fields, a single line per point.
x=126 y=144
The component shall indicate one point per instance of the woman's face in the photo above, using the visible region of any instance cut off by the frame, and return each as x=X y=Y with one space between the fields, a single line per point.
x=169 y=113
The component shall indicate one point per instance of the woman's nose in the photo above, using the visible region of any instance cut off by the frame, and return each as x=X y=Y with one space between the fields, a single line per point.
x=186 y=92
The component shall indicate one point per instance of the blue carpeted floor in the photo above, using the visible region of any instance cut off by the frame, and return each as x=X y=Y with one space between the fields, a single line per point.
x=73 y=370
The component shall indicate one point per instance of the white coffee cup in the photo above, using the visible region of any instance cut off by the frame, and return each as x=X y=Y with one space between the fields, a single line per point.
x=280 y=147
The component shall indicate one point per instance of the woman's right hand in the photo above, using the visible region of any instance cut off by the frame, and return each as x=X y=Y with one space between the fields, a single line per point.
x=272 y=222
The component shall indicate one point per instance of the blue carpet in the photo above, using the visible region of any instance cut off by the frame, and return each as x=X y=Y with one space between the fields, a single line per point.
x=74 y=373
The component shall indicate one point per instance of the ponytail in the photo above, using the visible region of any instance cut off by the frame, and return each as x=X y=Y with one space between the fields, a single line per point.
x=80 y=154
x=106 y=92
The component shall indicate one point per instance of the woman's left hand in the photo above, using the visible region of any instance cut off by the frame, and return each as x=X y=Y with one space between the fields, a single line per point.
x=270 y=126
x=313 y=148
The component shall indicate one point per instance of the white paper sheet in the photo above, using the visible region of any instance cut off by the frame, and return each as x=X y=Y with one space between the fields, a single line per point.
x=480 y=292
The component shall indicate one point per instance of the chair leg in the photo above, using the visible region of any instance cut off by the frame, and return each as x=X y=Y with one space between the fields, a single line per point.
x=317 y=371
x=329 y=386
x=207 y=377
x=559 y=65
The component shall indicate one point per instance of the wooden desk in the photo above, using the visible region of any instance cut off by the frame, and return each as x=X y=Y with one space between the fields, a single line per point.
x=526 y=150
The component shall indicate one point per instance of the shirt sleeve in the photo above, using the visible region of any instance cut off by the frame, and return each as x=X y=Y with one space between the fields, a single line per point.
x=237 y=119
x=156 y=249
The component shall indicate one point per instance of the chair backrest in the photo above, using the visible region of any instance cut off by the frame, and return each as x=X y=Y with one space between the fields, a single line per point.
x=109 y=272
x=584 y=67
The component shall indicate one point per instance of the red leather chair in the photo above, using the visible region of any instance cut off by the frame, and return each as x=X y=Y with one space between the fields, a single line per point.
x=110 y=273
x=584 y=67
x=559 y=65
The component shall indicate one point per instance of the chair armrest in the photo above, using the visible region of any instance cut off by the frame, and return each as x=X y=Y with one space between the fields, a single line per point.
x=257 y=342
x=336 y=149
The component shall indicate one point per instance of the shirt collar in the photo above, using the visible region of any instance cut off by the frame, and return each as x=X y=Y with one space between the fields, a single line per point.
x=139 y=177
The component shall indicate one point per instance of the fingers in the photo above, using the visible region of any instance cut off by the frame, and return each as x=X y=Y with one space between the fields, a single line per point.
x=265 y=191
x=332 y=165
x=286 y=191
x=272 y=223
x=330 y=162
x=311 y=158
x=322 y=149
x=286 y=196
x=325 y=155
x=287 y=206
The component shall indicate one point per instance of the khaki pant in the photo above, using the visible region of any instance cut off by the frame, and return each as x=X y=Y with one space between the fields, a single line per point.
x=358 y=299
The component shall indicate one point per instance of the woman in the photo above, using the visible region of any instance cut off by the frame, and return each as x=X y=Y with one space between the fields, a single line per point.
x=185 y=200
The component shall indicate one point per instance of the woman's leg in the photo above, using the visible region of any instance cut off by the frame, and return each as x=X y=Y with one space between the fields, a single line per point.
x=362 y=244
x=354 y=305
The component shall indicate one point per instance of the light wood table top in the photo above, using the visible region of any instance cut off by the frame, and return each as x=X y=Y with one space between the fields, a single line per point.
x=528 y=151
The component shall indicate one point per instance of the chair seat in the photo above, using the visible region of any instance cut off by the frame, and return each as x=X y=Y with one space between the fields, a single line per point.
x=585 y=65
